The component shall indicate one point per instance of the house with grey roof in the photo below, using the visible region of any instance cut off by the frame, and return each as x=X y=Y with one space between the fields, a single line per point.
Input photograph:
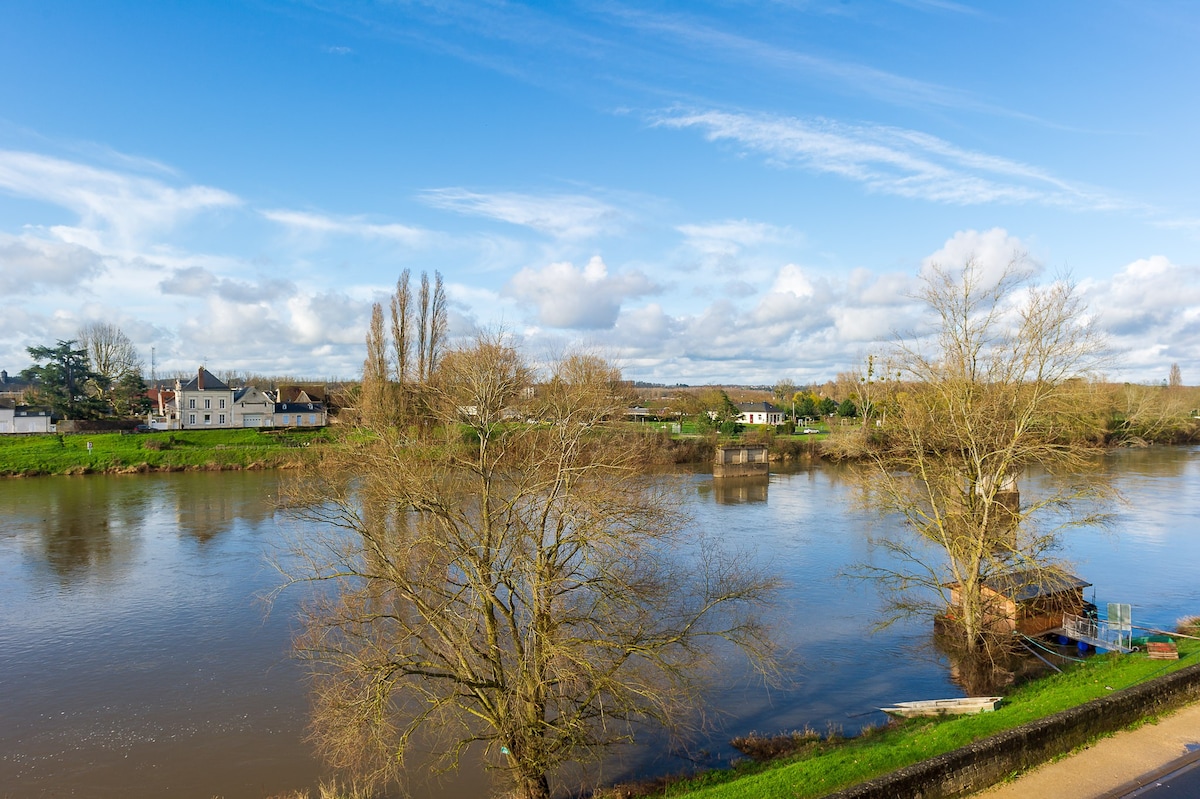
x=759 y=413
x=204 y=402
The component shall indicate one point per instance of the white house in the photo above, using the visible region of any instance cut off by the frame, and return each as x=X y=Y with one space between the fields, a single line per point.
x=252 y=407
x=24 y=418
x=204 y=402
x=759 y=413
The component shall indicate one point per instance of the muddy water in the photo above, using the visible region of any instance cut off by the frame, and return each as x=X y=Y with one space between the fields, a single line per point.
x=136 y=659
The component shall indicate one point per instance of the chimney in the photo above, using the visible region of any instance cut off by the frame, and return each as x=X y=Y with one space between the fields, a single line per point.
x=200 y=379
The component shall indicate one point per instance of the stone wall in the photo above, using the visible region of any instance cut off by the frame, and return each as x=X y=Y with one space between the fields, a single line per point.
x=976 y=766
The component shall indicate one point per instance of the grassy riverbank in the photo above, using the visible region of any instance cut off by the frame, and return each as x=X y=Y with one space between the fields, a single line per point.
x=822 y=766
x=174 y=450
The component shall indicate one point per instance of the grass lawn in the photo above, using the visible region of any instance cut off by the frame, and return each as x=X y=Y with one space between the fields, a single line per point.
x=166 y=450
x=829 y=766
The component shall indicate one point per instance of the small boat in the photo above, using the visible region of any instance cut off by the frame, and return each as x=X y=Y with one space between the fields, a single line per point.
x=944 y=707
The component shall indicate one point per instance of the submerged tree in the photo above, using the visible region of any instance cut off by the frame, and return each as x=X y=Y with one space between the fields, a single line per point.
x=1000 y=391
x=509 y=577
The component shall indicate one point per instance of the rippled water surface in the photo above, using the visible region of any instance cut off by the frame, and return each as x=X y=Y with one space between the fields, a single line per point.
x=137 y=660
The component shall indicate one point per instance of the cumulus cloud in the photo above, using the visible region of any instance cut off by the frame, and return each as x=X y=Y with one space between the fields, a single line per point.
x=588 y=298
x=890 y=160
x=992 y=250
x=196 y=281
x=1151 y=313
x=565 y=216
x=128 y=205
x=29 y=265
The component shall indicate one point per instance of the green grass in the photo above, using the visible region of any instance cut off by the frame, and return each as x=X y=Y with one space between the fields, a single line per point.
x=166 y=450
x=829 y=766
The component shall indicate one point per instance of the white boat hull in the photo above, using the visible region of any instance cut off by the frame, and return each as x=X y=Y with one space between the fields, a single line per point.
x=944 y=707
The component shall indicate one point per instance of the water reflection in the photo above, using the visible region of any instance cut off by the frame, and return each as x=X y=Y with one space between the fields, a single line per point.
x=88 y=527
x=135 y=659
x=145 y=666
x=737 y=490
x=205 y=509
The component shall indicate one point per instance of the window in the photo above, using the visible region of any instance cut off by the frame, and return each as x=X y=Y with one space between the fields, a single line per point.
x=312 y=418
x=285 y=418
x=208 y=418
x=222 y=404
x=191 y=418
x=207 y=403
x=221 y=418
x=192 y=403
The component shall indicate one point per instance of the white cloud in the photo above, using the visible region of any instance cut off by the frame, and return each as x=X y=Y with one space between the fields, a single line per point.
x=30 y=265
x=566 y=216
x=891 y=160
x=305 y=222
x=1151 y=313
x=128 y=205
x=992 y=250
x=587 y=298
x=731 y=236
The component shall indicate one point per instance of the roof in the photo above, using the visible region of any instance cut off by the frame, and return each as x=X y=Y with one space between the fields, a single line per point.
x=240 y=393
x=204 y=381
x=1027 y=584
x=308 y=393
x=296 y=407
x=758 y=407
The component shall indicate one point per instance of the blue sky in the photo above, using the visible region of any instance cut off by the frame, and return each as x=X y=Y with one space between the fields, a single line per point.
x=706 y=192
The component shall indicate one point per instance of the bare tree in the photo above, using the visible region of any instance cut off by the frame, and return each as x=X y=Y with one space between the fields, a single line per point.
x=997 y=393
x=401 y=305
x=436 y=339
x=110 y=352
x=1175 y=380
x=520 y=586
x=374 y=401
x=431 y=325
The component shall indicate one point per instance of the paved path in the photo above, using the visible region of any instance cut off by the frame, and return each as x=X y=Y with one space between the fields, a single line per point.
x=1113 y=766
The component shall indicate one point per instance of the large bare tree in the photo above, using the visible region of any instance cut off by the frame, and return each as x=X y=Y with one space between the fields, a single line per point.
x=509 y=578
x=997 y=390
x=110 y=352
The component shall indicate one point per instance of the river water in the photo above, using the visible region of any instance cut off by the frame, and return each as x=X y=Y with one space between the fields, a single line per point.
x=138 y=660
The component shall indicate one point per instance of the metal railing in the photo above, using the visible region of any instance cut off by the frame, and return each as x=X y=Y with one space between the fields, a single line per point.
x=1098 y=632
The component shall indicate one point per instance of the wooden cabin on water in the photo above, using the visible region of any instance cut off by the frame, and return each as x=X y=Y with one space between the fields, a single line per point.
x=1030 y=601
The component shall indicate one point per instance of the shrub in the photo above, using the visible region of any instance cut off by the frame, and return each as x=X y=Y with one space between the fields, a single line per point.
x=769 y=747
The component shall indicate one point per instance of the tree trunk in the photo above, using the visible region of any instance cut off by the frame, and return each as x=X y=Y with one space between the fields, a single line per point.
x=534 y=786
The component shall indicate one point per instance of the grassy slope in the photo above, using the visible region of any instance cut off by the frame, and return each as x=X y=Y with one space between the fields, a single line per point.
x=829 y=767
x=178 y=449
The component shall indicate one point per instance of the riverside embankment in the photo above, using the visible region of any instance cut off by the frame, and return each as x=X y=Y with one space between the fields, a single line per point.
x=165 y=451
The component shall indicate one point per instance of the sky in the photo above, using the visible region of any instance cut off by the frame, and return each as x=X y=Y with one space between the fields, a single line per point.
x=705 y=192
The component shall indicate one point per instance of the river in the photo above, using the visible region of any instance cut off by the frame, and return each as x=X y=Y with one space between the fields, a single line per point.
x=138 y=660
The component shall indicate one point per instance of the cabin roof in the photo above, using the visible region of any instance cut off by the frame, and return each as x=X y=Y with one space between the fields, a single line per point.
x=1026 y=584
